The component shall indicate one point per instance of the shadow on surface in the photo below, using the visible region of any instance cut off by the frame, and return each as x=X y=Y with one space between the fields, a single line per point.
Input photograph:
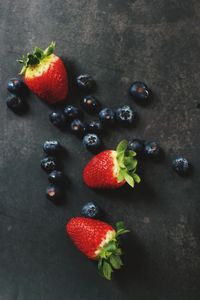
x=134 y=259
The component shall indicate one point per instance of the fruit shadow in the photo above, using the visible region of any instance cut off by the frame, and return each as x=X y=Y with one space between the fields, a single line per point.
x=147 y=102
x=190 y=172
x=142 y=192
x=73 y=72
x=135 y=261
x=63 y=154
x=25 y=110
x=157 y=159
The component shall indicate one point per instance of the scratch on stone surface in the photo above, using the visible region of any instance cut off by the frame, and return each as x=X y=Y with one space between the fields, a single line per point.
x=146 y=220
x=139 y=5
x=125 y=79
x=183 y=219
x=9 y=228
x=119 y=22
x=89 y=23
x=186 y=246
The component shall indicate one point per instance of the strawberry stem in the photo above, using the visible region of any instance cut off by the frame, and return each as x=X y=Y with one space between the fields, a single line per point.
x=127 y=164
x=110 y=255
x=34 y=58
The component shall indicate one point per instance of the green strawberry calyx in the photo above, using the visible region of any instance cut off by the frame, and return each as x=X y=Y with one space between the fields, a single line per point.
x=109 y=259
x=32 y=59
x=127 y=164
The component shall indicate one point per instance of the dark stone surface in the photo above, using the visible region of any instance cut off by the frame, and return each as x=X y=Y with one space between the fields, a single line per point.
x=116 y=42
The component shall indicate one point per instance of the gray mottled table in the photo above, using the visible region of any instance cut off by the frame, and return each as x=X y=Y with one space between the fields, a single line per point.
x=117 y=42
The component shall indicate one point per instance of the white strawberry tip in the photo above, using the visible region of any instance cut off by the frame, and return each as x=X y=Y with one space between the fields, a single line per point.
x=126 y=164
x=109 y=252
x=36 y=57
x=110 y=236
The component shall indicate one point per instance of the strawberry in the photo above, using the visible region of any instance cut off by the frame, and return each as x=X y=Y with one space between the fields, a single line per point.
x=111 y=169
x=98 y=241
x=45 y=74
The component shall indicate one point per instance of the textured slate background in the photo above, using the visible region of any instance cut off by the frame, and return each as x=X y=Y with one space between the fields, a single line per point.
x=117 y=42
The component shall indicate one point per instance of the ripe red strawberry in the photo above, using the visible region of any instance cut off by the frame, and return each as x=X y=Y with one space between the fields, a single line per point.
x=110 y=169
x=98 y=241
x=45 y=74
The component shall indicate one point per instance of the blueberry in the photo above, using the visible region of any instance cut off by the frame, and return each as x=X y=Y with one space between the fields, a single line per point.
x=94 y=127
x=152 y=149
x=140 y=92
x=71 y=113
x=58 y=119
x=107 y=116
x=85 y=82
x=52 y=147
x=16 y=86
x=78 y=127
x=91 y=210
x=125 y=115
x=56 y=177
x=180 y=165
x=48 y=164
x=92 y=142
x=15 y=103
x=137 y=146
x=54 y=193
x=90 y=104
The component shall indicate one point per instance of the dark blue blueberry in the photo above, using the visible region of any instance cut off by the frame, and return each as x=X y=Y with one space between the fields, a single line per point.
x=16 y=86
x=107 y=116
x=92 y=142
x=91 y=210
x=56 y=177
x=52 y=147
x=90 y=104
x=181 y=165
x=85 y=82
x=15 y=103
x=140 y=92
x=58 y=119
x=71 y=113
x=125 y=115
x=54 y=193
x=49 y=164
x=152 y=149
x=94 y=127
x=78 y=127
x=137 y=146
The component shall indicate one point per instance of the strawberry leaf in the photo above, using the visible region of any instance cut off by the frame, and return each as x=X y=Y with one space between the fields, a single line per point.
x=50 y=49
x=131 y=153
x=130 y=163
x=120 y=225
x=116 y=262
x=107 y=270
x=121 y=175
x=100 y=262
x=121 y=229
x=34 y=58
x=136 y=178
x=109 y=256
x=129 y=179
x=38 y=52
x=127 y=164
x=111 y=246
x=122 y=146
x=118 y=251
